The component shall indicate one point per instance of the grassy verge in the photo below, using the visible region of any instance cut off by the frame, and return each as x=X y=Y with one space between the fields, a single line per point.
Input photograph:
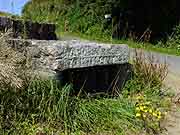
x=42 y=107
x=130 y=43
x=45 y=108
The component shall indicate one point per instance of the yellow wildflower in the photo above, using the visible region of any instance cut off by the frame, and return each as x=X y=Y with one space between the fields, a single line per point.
x=137 y=109
x=159 y=117
x=150 y=110
x=145 y=111
x=144 y=116
x=138 y=114
x=141 y=108
x=159 y=113
x=145 y=108
x=154 y=114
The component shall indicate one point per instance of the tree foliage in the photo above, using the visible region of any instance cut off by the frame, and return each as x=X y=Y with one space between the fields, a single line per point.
x=137 y=16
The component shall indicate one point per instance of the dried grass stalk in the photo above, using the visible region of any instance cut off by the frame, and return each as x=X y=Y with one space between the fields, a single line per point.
x=149 y=69
x=9 y=76
x=12 y=65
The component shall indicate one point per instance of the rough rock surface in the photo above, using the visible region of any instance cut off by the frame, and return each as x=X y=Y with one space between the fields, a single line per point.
x=28 y=29
x=62 y=55
x=87 y=65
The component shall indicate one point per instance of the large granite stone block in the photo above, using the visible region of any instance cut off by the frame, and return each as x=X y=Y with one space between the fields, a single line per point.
x=87 y=65
x=62 y=55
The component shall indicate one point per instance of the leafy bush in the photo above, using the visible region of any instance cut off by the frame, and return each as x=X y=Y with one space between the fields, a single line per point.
x=82 y=16
x=127 y=20
x=174 y=39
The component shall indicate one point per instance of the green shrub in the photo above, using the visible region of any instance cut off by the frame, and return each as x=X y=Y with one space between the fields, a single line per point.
x=82 y=16
x=174 y=39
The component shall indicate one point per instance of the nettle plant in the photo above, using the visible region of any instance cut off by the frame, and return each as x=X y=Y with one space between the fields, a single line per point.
x=151 y=115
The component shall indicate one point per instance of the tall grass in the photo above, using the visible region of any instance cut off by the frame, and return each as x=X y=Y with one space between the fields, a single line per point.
x=148 y=76
x=149 y=70
x=13 y=65
x=174 y=39
x=72 y=16
x=43 y=106
x=43 y=103
x=113 y=116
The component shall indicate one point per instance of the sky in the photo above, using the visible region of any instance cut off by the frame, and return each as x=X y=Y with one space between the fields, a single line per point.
x=12 y=6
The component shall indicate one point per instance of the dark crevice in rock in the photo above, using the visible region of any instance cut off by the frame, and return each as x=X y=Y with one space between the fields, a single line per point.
x=108 y=79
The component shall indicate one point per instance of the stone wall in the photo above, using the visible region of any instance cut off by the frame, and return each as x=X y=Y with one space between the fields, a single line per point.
x=28 y=30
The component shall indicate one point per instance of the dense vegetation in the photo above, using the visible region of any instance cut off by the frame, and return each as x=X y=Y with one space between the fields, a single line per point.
x=31 y=105
x=141 y=20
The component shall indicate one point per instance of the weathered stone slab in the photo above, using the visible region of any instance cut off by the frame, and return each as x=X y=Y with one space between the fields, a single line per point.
x=62 y=55
x=28 y=30
x=87 y=65
x=74 y=54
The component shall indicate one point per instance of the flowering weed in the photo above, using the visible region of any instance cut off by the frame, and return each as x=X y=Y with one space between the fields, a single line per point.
x=149 y=114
